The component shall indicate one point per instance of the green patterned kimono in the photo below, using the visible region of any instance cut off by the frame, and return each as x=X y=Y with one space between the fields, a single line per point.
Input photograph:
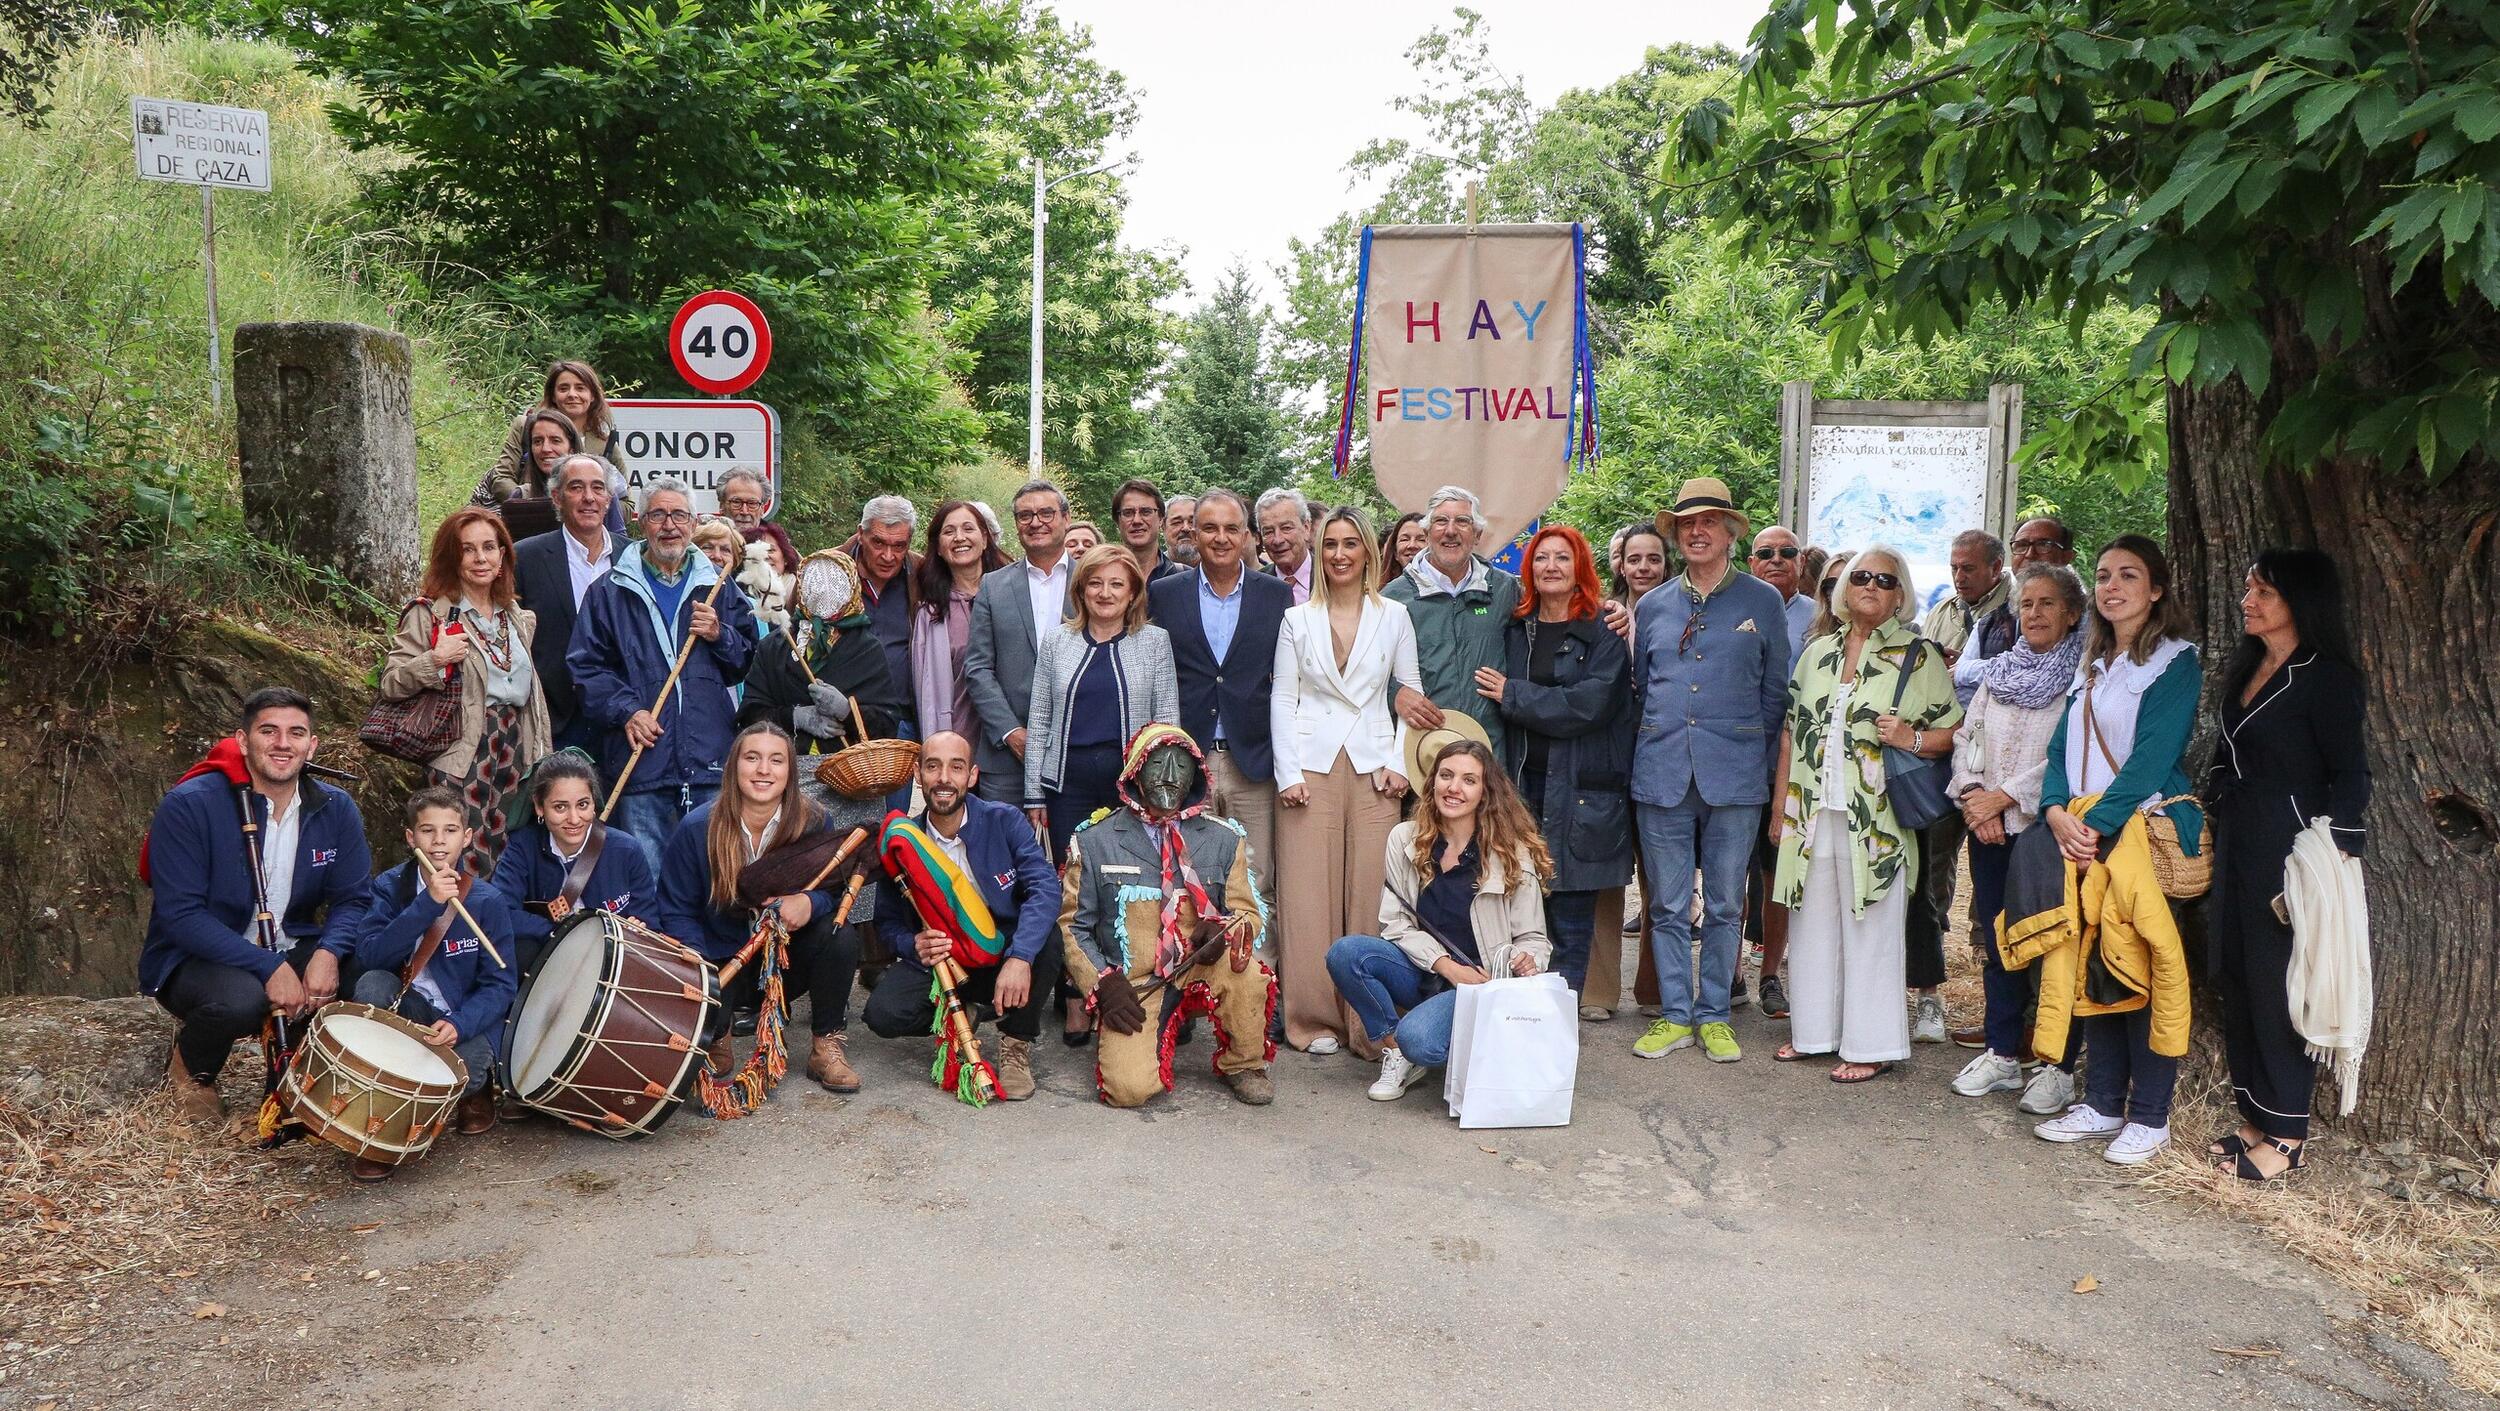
x=1882 y=852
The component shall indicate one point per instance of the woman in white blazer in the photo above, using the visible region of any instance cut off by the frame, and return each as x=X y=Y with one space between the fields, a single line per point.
x=1339 y=772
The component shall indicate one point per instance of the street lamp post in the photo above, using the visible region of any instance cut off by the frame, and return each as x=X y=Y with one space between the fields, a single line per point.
x=1041 y=220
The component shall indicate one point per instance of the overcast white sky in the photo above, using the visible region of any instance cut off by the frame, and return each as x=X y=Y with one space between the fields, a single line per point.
x=1249 y=111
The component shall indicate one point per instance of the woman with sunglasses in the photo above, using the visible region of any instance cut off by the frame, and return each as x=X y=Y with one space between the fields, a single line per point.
x=1846 y=864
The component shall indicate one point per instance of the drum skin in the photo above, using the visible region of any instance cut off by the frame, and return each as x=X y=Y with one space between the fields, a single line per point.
x=622 y=1067
x=358 y=1104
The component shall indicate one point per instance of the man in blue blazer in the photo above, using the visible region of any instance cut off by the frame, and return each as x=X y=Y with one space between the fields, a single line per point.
x=1223 y=621
x=995 y=846
x=1710 y=662
x=555 y=570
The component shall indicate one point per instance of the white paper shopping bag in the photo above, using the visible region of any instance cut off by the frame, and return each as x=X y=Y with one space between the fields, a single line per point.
x=1514 y=1053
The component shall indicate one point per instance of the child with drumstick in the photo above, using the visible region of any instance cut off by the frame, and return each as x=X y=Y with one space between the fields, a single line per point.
x=463 y=981
x=569 y=861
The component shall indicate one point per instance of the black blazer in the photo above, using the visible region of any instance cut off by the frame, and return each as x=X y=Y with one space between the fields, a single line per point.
x=1234 y=690
x=2293 y=753
x=546 y=588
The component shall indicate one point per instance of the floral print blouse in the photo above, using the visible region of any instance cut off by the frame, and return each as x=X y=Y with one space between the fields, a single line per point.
x=1882 y=852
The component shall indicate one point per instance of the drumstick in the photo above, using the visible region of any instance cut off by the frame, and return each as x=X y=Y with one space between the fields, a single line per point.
x=461 y=911
x=665 y=687
x=755 y=942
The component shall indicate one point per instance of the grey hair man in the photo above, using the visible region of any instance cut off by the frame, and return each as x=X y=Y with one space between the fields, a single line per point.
x=1283 y=519
x=1461 y=607
x=1180 y=531
x=744 y=497
x=882 y=549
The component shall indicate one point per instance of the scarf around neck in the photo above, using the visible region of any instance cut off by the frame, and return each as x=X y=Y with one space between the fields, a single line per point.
x=2028 y=679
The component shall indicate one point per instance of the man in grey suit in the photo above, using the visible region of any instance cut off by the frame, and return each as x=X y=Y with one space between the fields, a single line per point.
x=1008 y=614
x=1710 y=661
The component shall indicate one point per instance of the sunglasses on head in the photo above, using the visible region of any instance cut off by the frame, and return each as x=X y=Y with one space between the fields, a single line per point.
x=1777 y=551
x=1860 y=578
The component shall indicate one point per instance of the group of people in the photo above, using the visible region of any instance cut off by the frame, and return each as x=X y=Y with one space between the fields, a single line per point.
x=1258 y=762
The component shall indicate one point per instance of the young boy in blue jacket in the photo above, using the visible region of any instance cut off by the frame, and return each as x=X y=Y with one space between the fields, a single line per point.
x=462 y=991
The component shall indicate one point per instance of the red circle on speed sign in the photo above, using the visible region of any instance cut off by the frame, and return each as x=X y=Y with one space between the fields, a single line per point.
x=720 y=342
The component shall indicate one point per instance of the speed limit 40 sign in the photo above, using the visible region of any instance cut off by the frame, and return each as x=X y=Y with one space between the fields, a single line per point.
x=720 y=342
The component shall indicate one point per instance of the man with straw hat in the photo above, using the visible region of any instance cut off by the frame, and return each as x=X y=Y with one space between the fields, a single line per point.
x=1710 y=662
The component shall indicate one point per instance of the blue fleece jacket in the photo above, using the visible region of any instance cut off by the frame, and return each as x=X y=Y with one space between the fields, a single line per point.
x=476 y=991
x=622 y=649
x=530 y=871
x=686 y=911
x=1016 y=880
x=203 y=903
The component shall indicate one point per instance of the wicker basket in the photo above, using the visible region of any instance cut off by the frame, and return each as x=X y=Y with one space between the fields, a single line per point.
x=2182 y=878
x=870 y=769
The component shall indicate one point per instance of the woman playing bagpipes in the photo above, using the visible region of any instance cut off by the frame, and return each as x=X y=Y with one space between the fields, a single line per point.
x=755 y=849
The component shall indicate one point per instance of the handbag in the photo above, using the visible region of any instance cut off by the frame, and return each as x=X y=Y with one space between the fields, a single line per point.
x=417 y=729
x=2183 y=877
x=1914 y=783
x=1514 y=1053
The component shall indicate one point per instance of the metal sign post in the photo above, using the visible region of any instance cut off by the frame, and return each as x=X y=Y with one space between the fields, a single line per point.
x=203 y=145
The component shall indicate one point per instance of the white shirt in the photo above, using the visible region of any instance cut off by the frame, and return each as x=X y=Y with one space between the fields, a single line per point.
x=1049 y=593
x=280 y=841
x=953 y=847
x=587 y=566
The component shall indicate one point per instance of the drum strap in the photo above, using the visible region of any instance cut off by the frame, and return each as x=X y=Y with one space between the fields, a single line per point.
x=577 y=877
x=433 y=941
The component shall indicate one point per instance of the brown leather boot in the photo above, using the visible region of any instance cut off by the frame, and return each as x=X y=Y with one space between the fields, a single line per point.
x=1015 y=1069
x=477 y=1113
x=718 y=1055
x=196 y=1100
x=1252 y=1086
x=829 y=1065
x=367 y=1171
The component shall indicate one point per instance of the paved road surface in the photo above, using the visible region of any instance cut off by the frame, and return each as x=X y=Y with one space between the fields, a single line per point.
x=1720 y=1237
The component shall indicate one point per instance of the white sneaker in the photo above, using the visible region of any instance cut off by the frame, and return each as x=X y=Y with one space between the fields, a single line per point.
x=2136 y=1145
x=2051 y=1092
x=1323 y=1046
x=1929 y=1027
x=2080 y=1124
x=1396 y=1076
x=1988 y=1073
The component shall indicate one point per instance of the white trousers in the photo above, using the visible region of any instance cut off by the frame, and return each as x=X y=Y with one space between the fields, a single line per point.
x=1845 y=985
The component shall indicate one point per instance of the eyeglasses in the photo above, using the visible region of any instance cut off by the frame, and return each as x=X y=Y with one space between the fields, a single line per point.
x=1036 y=516
x=1778 y=551
x=2034 y=546
x=1141 y=512
x=1860 y=578
x=742 y=503
x=668 y=516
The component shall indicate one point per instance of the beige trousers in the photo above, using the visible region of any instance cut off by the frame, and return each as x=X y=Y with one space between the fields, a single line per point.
x=1234 y=795
x=1336 y=849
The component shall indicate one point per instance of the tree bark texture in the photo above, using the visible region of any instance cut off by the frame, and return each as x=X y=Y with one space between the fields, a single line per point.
x=2421 y=565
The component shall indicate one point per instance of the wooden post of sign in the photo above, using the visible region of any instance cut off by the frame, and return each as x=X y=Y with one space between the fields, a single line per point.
x=208 y=260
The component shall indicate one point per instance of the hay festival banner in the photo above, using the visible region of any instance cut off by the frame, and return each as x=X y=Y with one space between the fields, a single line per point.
x=1477 y=340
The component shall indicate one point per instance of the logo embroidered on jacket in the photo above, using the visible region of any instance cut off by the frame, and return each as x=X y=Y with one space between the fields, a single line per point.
x=323 y=857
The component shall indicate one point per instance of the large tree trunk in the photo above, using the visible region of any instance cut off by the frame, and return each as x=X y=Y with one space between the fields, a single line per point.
x=2422 y=567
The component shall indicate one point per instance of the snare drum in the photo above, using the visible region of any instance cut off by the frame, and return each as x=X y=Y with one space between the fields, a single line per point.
x=609 y=1031
x=367 y=1082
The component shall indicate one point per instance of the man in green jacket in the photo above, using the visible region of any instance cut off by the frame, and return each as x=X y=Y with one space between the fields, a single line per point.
x=1460 y=606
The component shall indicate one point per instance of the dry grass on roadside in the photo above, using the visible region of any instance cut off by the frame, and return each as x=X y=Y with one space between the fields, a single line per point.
x=98 y=1210
x=2430 y=1265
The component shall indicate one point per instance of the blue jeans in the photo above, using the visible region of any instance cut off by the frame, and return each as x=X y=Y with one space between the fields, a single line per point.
x=1570 y=924
x=652 y=814
x=2125 y=1078
x=2008 y=992
x=477 y=1051
x=1674 y=839
x=1378 y=981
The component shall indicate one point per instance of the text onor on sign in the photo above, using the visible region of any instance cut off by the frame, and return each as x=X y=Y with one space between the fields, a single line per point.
x=697 y=441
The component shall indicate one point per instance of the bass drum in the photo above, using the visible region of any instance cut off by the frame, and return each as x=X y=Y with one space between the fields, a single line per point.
x=608 y=1034
x=367 y=1082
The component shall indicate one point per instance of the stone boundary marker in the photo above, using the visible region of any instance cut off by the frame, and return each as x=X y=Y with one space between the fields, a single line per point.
x=329 y=447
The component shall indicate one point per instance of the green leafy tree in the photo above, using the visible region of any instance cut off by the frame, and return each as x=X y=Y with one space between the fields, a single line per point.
x=2302 y=191
x=1221 y=420
x=35 y=35
x=599 y=161
x=1103 y=333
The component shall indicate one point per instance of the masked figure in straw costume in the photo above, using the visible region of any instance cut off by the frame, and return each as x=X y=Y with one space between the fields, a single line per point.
x=1152 y=936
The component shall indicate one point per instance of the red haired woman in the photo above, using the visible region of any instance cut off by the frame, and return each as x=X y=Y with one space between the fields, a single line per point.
x=1565 y=690
x=467 y=634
